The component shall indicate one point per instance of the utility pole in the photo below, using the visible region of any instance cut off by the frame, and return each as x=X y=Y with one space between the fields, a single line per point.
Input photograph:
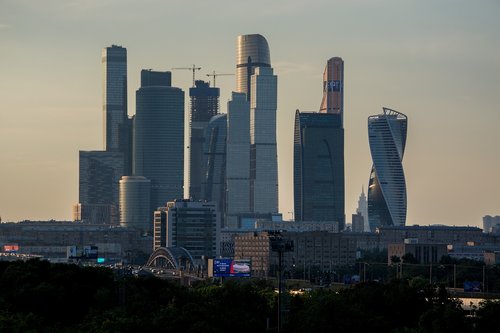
x=280 y=245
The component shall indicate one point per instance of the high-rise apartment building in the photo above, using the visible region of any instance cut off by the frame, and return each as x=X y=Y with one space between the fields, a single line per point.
x=237 y=159
x=319 y=168
x=387 y=186
x=204 y=105
x=114 y=60
x=159 y=137
x=213 y=182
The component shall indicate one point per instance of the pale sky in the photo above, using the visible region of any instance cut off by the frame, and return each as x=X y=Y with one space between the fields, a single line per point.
x=438 y=62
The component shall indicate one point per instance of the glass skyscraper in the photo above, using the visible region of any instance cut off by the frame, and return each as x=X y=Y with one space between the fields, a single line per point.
x=204 y=105
x=213 y=183
x=159 y=137
x=387 y=186
x=252 y=51
x=319 y=168
x=114 y=60
x=319 y=185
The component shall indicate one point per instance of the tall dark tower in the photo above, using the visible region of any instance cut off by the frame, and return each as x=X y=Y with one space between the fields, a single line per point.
x=318 y=168
x=319 y=182
x=204 y=105
x=114 y=61
x=159 y=137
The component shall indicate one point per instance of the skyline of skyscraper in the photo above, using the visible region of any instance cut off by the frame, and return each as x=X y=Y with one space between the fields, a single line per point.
x=318 y=168
x=114 y=93
x=263 y=147
x=333 y=88
x=204 y=105
x=237 y=159
x=159 y=137
x=387 y=185
x=213 y=184
x=252 y=51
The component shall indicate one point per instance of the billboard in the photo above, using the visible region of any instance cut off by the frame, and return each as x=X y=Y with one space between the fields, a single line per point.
x=231 y=267
x=11 y=248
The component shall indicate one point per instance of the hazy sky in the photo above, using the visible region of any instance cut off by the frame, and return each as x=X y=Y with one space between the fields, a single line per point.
x=436 y=61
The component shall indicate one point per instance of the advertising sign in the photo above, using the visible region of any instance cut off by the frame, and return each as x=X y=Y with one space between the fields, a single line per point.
x=230 y=267
x=333 y=85
x=11 y=248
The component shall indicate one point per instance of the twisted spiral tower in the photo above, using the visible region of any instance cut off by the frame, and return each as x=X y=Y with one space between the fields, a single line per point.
x=387 y=186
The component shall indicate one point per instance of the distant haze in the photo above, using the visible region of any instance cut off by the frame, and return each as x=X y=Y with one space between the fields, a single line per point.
x=437 y=62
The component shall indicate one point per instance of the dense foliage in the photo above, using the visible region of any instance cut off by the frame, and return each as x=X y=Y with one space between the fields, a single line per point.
x=37 y=296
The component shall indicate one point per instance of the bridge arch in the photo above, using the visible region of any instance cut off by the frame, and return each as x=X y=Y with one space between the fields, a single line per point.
x=171 y=257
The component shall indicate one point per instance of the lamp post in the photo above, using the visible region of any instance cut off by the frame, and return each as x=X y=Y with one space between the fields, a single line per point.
x=280 y=245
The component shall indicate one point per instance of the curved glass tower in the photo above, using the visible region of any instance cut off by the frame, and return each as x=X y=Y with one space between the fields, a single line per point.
x=387 y=186
x=252 y=51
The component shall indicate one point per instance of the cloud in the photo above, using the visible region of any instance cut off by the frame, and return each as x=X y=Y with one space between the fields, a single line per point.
x=4 y=26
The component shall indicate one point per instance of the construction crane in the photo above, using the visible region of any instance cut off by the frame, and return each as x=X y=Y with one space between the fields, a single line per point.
x=214 y=75
x=194 y=69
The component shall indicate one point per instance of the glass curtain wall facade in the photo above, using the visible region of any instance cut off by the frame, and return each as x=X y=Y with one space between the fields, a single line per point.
x=263 y=149
x=237 y=159
x=213 y=184
x=159 y=137
x=318 y=168
x=252 y=51
x=134 y=203
x=114 y=60
x=387 y=186
x=204 y=105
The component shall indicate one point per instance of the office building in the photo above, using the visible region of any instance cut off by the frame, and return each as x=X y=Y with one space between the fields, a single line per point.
x=333 y=88
x=319 y=168
x=213 y=183
x=252 y=51
x=195 y=226
x=387 y=186
x=114 y=60
x=263 y=149
x=490 y=223
x=423 y=253
x=135 y=211
x=204 y=105
x=99 y=174
x=237 y=159
x=159 y=137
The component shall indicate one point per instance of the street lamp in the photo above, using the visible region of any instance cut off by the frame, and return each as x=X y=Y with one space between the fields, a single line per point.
x=280 y=245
